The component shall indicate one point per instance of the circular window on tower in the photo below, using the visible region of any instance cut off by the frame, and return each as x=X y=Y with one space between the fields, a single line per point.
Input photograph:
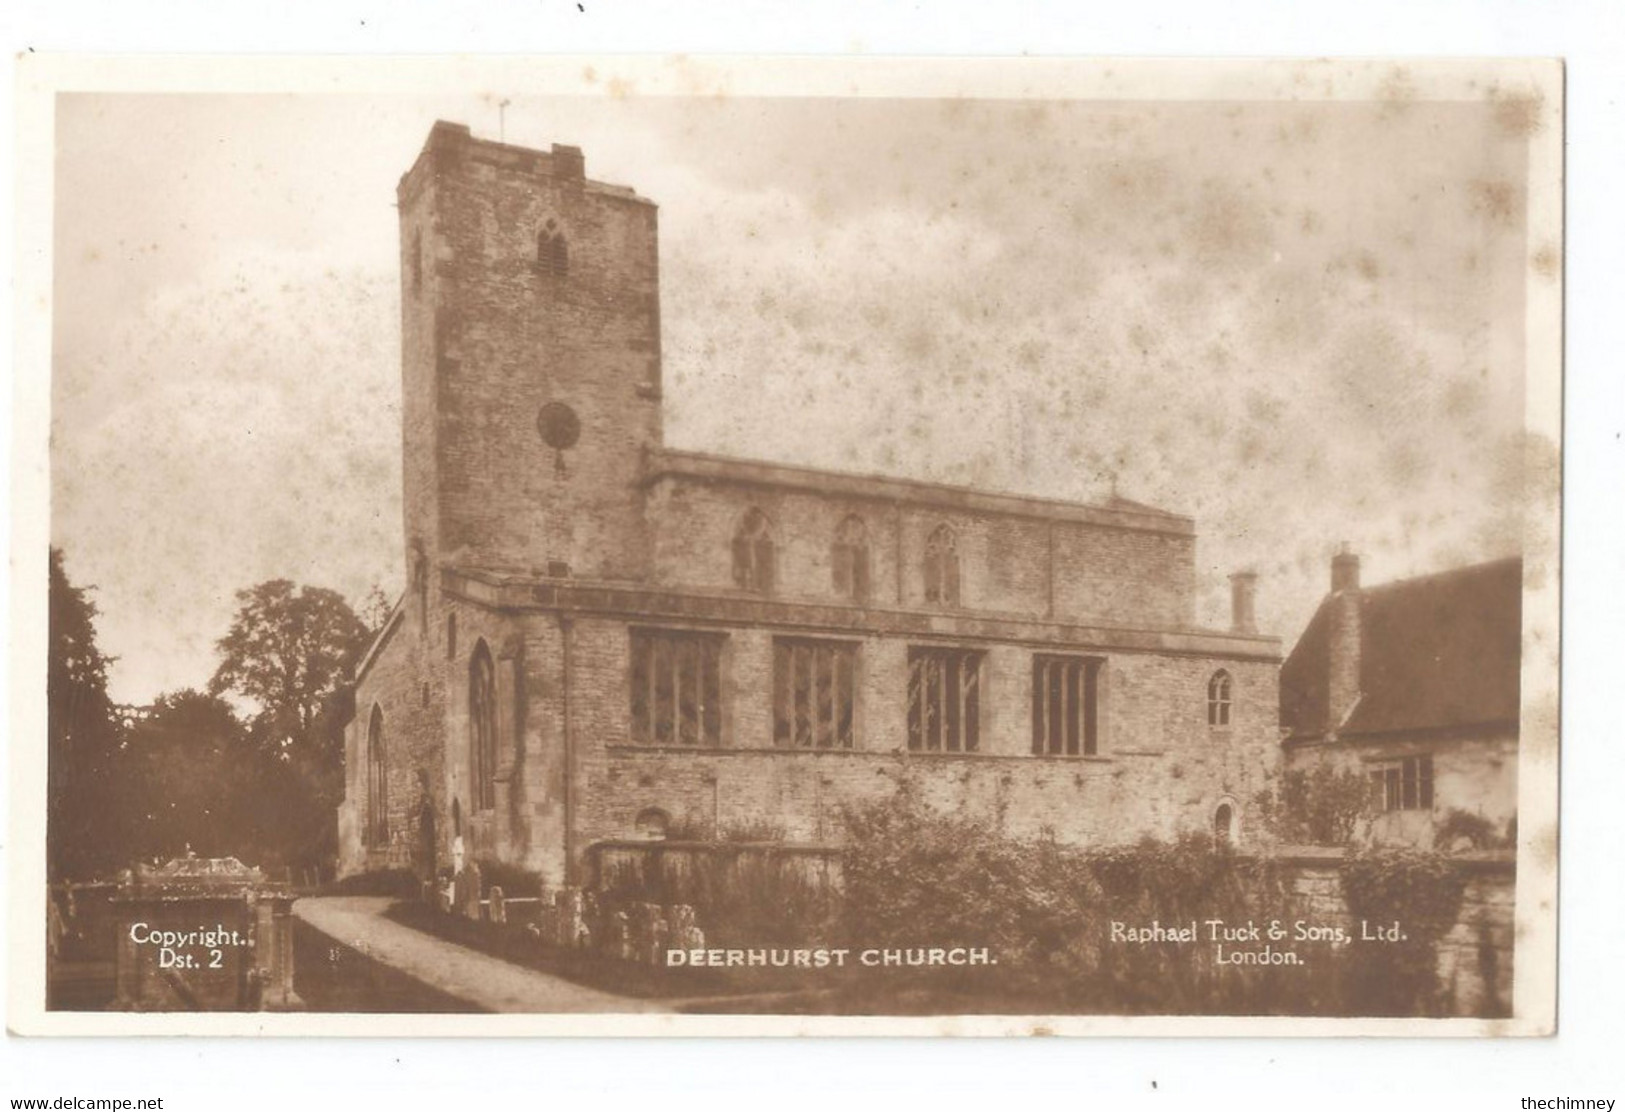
x=560 y=429
x=559 y=425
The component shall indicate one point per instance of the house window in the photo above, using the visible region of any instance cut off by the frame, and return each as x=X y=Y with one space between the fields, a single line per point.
x=813 y=685
x=482 y=727
x=676 y=687
x=1218 y=699
x=1403 y=785
x=451 y=636
x=753 y=552
x=377 y=782
x=417 y=260
x=944 y=700
x=849 y=560
x=942 y=566
x=552 y=252
x=1066 y=706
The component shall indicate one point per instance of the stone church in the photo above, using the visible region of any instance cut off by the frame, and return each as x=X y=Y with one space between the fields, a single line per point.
x=606 y=639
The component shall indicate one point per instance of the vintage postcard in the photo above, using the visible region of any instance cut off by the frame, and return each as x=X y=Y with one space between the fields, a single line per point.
x=695 y=546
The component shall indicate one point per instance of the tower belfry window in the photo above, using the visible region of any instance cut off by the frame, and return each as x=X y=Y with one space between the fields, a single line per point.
x=552 y=252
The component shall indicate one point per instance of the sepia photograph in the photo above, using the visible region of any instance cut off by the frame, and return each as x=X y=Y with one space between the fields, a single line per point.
x=796 y=547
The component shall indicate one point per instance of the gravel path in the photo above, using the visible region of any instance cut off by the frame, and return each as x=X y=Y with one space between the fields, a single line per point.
x=483 y=981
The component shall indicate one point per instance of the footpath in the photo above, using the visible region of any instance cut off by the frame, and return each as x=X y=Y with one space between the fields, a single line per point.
x=485 y=982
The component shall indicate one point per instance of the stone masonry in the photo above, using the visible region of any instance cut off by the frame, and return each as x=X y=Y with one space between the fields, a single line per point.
x=547 y=527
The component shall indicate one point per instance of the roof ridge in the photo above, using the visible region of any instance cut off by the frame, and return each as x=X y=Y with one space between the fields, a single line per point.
x=1114 y=503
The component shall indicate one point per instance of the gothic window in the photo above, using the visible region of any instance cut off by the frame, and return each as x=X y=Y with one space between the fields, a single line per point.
x=1218 y=699
x=1224 y=825
x=377 y=782
x=482 y=728
x=814 y=685
x=552 y=252
x=1404 y=785
x=451 y=636
x=753 y=552
x=676 y=687
x=942 y=566
x=1066 y=706
x=849 y=560
x=944 y=700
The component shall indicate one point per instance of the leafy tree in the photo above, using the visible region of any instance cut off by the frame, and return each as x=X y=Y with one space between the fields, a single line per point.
x=289 y=651
x=289 y=655
x=82 y=736
x=188 y=774
x=375 y=610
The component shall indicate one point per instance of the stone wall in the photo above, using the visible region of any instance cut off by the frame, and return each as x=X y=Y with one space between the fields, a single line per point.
x=1010 y=564
x=1160 y=770
x=400 y=683
x=490 y=337
x=1474 y=956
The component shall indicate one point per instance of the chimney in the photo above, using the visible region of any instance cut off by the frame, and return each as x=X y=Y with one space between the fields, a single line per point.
x=1243 y=593
x=1343 y=639
x=1345 y=570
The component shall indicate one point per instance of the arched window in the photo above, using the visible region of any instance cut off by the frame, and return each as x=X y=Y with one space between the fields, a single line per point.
x=552 y=253
x=1218 y=699
x=942 y=566
x=1224 y=825
x=753 y=552
x=377 y=782
x=482 y=727
x=652 y=823
x=849 y=559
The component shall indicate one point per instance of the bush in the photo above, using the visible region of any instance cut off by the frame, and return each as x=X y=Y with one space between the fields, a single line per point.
x=1321 y=806
x=512 y=879
x=744 y=895
x=1421 y=892
x=402 y=884
x=1456 y=824
x=1045 y=911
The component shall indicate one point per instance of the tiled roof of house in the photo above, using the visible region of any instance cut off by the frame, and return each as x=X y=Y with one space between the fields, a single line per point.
x=1436 y=652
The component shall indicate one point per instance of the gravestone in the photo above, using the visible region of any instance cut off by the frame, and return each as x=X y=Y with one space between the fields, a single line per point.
x=685 y=931
x=204 y=934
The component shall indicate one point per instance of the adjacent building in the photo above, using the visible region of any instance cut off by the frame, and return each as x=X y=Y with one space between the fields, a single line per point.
x=1414 y=684
x=605 y=638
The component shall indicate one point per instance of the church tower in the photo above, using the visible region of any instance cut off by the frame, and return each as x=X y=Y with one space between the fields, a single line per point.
x=530 y=350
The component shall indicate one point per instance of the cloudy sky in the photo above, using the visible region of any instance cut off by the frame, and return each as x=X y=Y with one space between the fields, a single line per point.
x=1301 y=323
